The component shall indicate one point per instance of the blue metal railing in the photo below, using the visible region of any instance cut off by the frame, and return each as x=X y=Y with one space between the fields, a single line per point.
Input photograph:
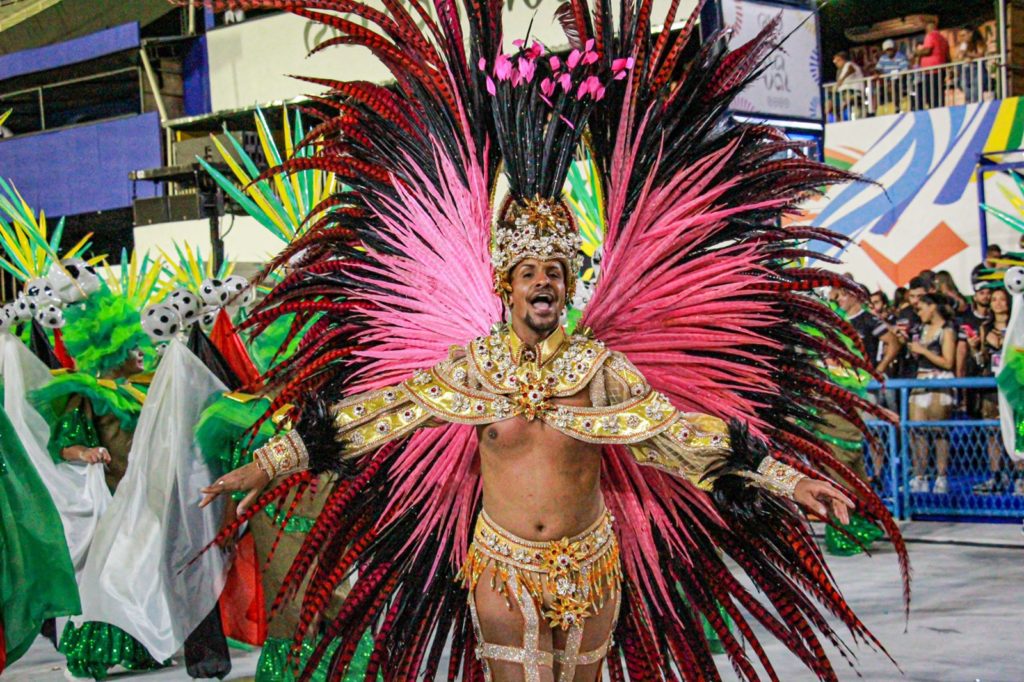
x=971 y=443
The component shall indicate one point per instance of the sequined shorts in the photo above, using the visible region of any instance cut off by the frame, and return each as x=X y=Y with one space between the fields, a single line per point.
x=566 y=580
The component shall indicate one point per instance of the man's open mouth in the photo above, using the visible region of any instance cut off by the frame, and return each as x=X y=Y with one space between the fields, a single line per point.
x=543 y=302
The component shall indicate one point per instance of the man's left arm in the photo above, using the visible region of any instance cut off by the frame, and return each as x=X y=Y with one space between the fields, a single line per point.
x=704 y=449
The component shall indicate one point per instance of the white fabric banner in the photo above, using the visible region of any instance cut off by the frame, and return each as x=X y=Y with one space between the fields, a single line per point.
x=138 y=575
x=79 y=491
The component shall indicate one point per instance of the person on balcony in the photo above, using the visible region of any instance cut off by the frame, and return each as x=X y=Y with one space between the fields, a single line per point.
x=891 y=63
x=974 y=76
x=933 y=52
x=849 y=86
x=934 y=346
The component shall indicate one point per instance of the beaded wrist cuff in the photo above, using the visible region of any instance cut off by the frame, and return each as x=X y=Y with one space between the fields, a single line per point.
x=779 y=478
x=282 y=455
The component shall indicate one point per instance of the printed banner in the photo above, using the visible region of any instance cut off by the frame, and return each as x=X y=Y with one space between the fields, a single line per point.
x=791 y=85
x=919 y=208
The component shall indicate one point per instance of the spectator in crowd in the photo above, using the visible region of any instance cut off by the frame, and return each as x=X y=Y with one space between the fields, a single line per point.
x=899 y=299
x=988 y=356
x=945 y=285
x=932 y=52
x=969 y=340
x=908 y=324
x=934 y=348
x=891 y=61
x=879 y=305
x=974 y=76
x=890 y=64
x=849 y=85
x=880 y=342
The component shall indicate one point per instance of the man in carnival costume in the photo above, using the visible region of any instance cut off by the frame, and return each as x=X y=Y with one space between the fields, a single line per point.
x=544 y=504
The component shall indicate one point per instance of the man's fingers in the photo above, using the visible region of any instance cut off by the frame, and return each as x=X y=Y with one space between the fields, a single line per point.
x=841 y=511
x=247 y=501
x=207 y=498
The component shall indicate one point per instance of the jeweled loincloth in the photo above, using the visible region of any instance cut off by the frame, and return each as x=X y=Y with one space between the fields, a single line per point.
x=569 y=580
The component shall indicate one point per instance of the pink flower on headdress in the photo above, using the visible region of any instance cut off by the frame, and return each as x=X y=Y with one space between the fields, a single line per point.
x=565 y=80
x=518 y=42
x=555 y=63
x=490 y=86
x=589 y=86
x=574 y=58
x=589 y=57
x=547 y=87
x=589 y=47
x=503 y=67
x=482 y=64
x=599 y=93
x=527 y=68
x=536 y=50
x=621 y=66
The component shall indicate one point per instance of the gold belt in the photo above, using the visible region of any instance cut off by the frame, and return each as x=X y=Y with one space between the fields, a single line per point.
x=570 y=578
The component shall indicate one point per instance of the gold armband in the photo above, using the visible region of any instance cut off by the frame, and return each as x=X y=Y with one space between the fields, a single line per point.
x=283 y=454
x=778 y=478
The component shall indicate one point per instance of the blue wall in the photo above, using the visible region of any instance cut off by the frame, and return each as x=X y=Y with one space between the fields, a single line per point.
x=109 y=41
x=84 y=168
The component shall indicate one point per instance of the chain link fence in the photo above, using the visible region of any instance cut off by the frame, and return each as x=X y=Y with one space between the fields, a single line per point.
x=954 y=467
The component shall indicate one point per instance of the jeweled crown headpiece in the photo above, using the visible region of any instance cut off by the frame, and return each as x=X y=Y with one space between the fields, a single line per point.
x=537 y=228
x=540 y=106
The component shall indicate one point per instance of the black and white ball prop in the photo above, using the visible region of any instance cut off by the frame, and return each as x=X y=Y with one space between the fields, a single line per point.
x=7 y=317
x=240 y=294
x=187 y=303
x=50 y=316
x=161 y=322
x=24 y=308
x=73 y=280
x=1014 y=280
x=40 y=291
x=208 y=316
x=214 y=293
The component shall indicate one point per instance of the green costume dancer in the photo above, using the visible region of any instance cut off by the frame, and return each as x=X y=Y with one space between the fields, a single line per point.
x=92 y=414
x=37 y=580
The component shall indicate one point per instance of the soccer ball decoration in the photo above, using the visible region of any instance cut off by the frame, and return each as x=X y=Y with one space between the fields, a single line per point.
x=213 y=292
x=7 y=317
x=50 y=316
x=187 y=303
x=40 y=291
x=24 y=308
x=161 y=322
x=1014 y=280
x=239 y=291
x=73 y=280
x=208 y=316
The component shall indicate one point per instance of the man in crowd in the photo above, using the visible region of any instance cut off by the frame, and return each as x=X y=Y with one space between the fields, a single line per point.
x=849 y=85
x=968 y=327
x=932 y=52
x=890 y=64
x=880 y=341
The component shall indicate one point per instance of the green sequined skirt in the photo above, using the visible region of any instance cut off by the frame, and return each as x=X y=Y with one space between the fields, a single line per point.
x=866 y=532
x=94 y=648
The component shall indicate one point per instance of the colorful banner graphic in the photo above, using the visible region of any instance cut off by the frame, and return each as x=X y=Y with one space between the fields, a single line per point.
x=918 y=209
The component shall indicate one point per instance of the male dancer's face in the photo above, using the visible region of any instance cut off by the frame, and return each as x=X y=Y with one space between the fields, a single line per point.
x=538 y=298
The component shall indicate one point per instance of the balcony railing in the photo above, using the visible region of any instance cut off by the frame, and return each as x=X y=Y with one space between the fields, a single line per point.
x=967 y=82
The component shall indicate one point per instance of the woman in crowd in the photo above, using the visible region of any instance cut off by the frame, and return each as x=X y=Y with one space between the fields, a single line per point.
x=989 y=348
x=934 y=347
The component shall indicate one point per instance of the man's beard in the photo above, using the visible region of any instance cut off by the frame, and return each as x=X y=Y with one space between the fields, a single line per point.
x=541 y=328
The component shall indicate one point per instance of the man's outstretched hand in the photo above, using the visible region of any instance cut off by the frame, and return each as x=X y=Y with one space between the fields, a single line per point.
x=819 y=497
x=248 y=478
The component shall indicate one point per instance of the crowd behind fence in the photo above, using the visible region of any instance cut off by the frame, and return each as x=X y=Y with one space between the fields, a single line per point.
x=974 y=449
x=965 y=82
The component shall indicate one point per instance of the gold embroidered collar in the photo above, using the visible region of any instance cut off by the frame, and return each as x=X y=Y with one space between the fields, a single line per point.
x=548 y=348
